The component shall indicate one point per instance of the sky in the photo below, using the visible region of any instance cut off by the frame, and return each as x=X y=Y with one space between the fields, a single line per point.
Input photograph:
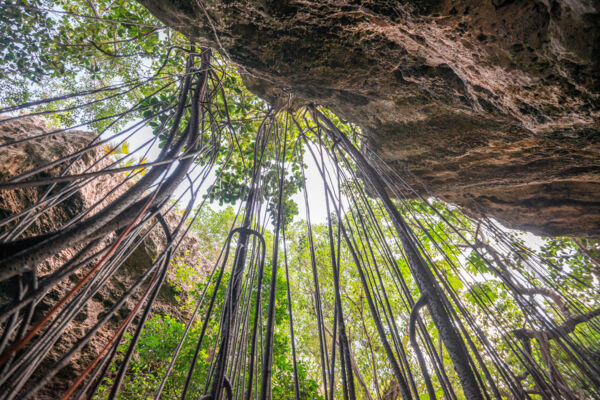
x=314 y=183
x=314 y=187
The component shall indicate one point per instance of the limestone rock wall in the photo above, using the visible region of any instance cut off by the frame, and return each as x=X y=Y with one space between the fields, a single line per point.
x=492 y=105
x=17 y=159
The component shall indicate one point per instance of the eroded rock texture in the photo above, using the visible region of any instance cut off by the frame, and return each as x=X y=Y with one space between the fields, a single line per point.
x=494 y=103
x=17 y=159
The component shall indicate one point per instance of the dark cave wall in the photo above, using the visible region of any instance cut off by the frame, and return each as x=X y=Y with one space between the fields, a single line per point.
x=491 y=105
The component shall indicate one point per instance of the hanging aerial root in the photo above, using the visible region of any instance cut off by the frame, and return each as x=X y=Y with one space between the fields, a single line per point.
x=405 y=255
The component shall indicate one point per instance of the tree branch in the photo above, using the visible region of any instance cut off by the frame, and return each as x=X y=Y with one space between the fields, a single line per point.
x=561 y=330
x=504 y=274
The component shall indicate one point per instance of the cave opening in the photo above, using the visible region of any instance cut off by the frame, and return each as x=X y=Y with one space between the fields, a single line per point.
x=204 y=243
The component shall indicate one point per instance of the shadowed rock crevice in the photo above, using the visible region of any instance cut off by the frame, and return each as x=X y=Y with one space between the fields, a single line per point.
x=495 y=102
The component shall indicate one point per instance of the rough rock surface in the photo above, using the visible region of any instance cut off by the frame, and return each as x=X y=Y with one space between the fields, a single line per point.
x=492 y=105
x=20 y=158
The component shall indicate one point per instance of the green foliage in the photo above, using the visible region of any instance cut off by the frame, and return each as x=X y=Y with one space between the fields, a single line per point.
x=157 y=343
x=55 y=47
x=212 y=228
x=25 y=49
x=236 y=169
x=162 y=333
